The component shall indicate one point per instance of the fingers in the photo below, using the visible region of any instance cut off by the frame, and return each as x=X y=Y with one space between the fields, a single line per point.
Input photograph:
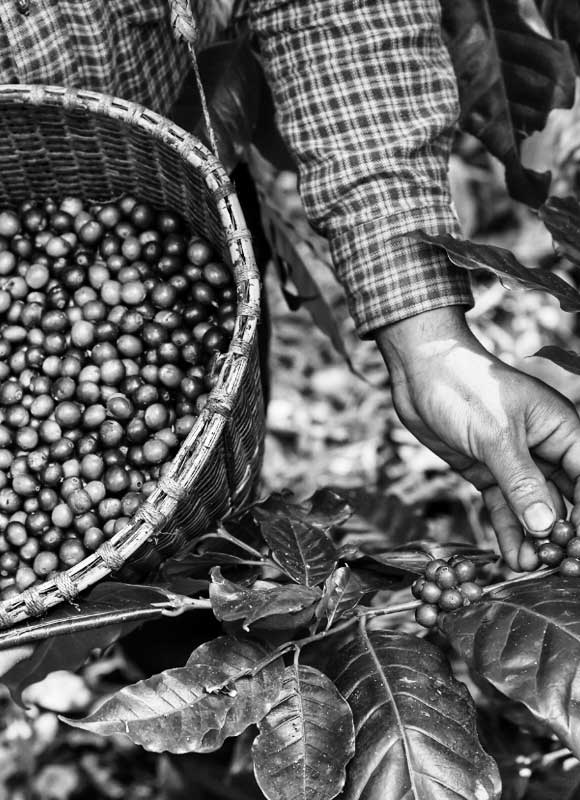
x=558 y=477
x=519 y=552
x=524 y=487
x=505 y=524
x=557 y=498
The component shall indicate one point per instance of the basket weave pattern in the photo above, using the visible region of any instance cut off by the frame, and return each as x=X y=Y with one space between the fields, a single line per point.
x=56 y=142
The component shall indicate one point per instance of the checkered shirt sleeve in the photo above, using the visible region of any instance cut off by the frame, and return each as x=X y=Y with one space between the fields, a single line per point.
x=366 y=98
x=120 y=47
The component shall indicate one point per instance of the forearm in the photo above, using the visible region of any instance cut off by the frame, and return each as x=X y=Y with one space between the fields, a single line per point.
x=366 y=99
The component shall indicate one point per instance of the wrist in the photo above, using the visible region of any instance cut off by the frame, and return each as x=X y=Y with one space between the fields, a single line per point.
x=412 y=341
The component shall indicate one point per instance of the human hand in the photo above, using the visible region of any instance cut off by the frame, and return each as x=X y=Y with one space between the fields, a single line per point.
x=516 y=439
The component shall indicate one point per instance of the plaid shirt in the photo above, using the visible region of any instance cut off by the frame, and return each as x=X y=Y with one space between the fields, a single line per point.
x=365 y=95
x=367 y=99
x=120 y=47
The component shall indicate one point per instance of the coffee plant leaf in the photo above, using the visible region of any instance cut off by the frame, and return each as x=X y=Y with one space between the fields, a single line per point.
x=415 y=725
x=305 y=552
x=503 y=263
x=509 y=744
x=305 y=740
x=233 y=81
x=67 y=636
x=501 y=62
x=233 y=602
x=343 y=591
x=193 y=709
x=561 y=216
x=325 y=509
x=525 y=640
x=563 y=20
x=384 y=516
x=567 y=359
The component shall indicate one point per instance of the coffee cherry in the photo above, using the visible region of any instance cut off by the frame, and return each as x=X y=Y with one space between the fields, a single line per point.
x=573 y=547
x=471 y=591
x=550 y=554
x=426 y=615
x=465 y=570
x=432 y=567
x=570 y=567
x=450 y=600
x=430 y=592
x=79 y=502
x=62 y=516
x=417 y=587
x=71 y=552
x=45 y=563
x=446 y=577
x=155 y=451
x=562 y=532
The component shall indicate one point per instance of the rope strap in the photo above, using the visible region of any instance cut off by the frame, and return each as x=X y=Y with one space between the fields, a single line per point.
x=111 y=558
x=33 y=602
x=171 y=487
x=150 y=515
x=5 y=617
x=65 y=586
x=185 y=29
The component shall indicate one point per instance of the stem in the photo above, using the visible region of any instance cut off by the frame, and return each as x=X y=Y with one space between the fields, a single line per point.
x=64 y=627
x=382 y=610
x=298 y=645
x=531 y=576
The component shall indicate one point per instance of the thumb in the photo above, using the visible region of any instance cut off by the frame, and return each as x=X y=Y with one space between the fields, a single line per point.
x=525 y=489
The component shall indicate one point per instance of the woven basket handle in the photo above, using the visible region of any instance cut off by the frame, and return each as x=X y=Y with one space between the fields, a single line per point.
x=182 y=21
x=185 y=28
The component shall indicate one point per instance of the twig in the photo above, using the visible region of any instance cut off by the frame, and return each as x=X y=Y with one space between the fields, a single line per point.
x=64 y=627
x=531 y=576
x=299 y=644
x=383 y=610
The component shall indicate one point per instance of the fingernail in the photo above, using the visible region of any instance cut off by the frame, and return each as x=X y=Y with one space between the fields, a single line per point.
x=538 y=518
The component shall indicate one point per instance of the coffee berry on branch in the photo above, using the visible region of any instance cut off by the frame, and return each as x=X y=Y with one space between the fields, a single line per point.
x=447 y=585
x=111 y=316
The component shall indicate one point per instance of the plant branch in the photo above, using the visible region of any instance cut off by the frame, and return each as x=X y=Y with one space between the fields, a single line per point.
x=64 y=627
x=298 y=644
x=383 y=610
x=531 y=576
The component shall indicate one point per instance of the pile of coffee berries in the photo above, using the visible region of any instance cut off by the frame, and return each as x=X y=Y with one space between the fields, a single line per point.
x=561 y=549
x=445 y=586
x=110 y=318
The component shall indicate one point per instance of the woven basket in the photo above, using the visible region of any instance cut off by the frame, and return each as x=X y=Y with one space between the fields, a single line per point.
x=56 y=142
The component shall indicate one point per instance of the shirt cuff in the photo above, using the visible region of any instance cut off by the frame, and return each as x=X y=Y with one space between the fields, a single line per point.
x=389 y=277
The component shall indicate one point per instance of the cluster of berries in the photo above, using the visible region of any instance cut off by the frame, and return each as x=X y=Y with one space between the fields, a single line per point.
x=561 y=549
x=445 y=586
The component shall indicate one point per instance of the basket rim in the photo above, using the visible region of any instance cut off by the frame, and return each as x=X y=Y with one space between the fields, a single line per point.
x=205 y=434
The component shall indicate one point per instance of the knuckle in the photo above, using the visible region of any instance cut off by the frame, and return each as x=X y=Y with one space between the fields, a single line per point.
x=523 y=486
